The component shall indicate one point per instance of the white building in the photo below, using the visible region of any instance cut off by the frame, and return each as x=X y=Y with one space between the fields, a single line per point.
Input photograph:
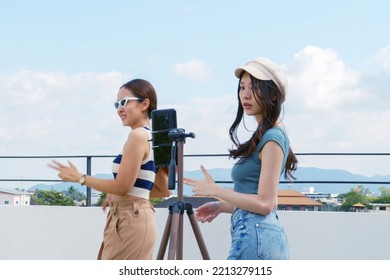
x=14 y=197
x=380 y=207
x=311 y=193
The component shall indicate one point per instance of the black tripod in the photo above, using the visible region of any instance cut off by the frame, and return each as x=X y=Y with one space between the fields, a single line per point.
x=174 y=225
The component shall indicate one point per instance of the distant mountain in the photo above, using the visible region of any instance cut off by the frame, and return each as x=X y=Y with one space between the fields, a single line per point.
x=326 y=175
x=65 y=186
x=321 y=177
x=222 y=176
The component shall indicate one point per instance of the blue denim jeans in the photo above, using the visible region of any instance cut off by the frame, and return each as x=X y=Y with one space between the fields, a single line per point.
x=257 y=237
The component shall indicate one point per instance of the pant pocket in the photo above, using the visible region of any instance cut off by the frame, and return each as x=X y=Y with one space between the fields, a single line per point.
x=272 y=242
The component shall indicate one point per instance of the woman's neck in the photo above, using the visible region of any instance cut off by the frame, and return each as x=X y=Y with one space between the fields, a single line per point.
x=141 y=123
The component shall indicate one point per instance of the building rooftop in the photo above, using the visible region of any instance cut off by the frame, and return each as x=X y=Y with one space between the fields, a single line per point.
x=292 y=197
x=13 y=191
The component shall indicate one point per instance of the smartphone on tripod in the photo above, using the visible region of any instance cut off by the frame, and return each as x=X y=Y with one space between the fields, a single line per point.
x=163 y=121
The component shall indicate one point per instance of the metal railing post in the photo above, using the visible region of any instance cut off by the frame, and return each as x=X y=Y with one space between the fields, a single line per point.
x=89 y=169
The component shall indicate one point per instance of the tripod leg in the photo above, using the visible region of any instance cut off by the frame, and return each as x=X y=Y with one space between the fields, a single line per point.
x=164 y=239
x=180 y=239
x=174 y=236
x=198 y=236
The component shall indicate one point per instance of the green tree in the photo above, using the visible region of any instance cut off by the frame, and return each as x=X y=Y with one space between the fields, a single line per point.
x=352 y=197
x=101 y=199
x=74 y=194
x=154 y=201
x=54 y=198
x=383 y=198
x=385 y=192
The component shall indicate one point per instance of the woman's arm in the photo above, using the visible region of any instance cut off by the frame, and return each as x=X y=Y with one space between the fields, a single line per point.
x=135 y=149
x=262 y=203
x=160 y=186
x=225 y=207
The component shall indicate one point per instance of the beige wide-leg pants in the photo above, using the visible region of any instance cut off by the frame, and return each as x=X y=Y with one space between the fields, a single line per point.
x=130 y=231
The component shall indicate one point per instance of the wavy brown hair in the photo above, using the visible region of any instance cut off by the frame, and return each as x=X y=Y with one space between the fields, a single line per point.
x=269 y=97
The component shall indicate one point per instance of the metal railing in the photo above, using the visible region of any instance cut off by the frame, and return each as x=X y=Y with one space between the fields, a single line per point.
x=89 y=158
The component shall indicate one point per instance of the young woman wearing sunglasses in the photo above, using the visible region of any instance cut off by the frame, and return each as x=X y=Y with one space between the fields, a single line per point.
x=130 y=231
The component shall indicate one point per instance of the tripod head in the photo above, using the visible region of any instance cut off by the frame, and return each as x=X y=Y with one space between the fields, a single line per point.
x=179 y=134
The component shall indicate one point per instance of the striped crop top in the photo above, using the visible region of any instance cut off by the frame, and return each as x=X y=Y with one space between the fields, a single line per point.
x=146 y=174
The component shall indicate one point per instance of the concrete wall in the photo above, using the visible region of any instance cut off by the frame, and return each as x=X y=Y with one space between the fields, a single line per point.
x=75 y=233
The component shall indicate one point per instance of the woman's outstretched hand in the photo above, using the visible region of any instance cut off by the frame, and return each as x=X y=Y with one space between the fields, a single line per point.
x=207 y=212
x=66 y=173
x=205 y=187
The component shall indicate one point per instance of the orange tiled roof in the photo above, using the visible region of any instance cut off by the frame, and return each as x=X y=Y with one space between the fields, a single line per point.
x=292 y=197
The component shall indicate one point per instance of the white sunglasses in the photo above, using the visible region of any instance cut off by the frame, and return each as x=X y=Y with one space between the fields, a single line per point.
x=124 y=100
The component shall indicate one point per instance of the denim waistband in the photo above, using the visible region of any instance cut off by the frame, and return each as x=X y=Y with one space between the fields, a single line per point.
x=239 y=213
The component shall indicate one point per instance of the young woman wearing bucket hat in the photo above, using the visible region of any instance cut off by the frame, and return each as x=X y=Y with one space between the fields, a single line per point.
x=255 y=228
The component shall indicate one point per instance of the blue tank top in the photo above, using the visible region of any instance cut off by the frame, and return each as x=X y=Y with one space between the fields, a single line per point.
x=146 y=174
x=246 y=172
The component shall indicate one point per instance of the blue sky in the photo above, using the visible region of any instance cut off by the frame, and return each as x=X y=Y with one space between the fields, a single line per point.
x=61 y=63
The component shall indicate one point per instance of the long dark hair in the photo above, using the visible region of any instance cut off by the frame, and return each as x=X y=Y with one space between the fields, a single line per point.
x=143 y=89
x=269 y=97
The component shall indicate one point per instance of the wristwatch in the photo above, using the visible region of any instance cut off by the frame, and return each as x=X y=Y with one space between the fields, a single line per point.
x=82 y=179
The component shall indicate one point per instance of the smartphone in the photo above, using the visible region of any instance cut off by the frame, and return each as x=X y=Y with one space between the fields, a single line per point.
x=163 y=121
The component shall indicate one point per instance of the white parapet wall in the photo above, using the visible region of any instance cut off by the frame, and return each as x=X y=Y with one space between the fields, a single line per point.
x=75 y=233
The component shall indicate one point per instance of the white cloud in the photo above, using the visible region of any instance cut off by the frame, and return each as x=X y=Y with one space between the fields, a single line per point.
x=56 y=112
x=195 y=70
x=383 y=56
x=210 y=120
x=321 y=80
x=332 y=108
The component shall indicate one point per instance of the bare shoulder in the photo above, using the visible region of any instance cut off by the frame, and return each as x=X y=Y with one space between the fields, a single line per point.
x=138 y=134
x=137 y=141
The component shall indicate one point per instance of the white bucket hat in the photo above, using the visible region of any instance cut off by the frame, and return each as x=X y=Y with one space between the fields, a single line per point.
x=264 y=69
